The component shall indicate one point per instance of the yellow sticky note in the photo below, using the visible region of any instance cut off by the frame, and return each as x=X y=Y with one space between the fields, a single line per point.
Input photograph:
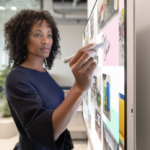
x=122 y=14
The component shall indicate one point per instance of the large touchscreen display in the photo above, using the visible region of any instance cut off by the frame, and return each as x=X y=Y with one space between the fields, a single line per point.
x=104 y=103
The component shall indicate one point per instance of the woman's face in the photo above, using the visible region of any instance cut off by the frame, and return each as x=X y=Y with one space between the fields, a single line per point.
x=40 y=40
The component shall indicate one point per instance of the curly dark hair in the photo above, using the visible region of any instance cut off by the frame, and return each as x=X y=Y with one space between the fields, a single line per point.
x=16 y=32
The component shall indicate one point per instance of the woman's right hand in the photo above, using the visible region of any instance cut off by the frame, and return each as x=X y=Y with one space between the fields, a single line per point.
x=83 y=66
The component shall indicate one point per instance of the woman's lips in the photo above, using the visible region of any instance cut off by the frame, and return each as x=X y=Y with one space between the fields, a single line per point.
x=45 y=50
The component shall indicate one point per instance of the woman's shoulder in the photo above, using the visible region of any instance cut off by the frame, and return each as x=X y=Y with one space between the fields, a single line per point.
x=17 y=72
x=16 y=75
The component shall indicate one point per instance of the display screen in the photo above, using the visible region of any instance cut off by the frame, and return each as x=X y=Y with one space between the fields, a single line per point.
x=104 y=103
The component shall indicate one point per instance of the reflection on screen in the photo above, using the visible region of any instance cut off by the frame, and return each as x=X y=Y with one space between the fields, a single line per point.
x=104 y=103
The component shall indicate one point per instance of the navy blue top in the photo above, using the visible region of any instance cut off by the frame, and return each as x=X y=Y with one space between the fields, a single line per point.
x=32 y=97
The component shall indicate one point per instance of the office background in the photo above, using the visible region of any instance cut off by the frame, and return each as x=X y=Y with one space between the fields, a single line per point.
x=71 y=18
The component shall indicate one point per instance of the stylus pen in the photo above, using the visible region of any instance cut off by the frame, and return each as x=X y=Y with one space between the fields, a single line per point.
x=66 y=60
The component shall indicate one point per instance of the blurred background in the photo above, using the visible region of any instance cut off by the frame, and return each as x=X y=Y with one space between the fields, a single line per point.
x=71 y=18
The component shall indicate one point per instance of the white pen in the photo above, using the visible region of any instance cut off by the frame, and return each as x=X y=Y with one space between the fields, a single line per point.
x=66 y=60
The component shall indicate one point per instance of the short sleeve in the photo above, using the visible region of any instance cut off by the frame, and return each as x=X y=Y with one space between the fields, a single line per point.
x=27 y=104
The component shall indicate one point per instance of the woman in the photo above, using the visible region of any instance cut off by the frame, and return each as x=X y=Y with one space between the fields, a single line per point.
x=37 y=103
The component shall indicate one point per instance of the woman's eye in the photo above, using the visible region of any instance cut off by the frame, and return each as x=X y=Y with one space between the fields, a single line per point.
x=37 y=35
x=49 y=36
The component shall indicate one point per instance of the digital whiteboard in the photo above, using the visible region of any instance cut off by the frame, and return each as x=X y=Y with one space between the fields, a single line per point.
x=104 y=104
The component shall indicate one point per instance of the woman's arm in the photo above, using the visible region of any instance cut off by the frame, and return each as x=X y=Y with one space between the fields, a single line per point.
x=65 y=112
x=83 y=66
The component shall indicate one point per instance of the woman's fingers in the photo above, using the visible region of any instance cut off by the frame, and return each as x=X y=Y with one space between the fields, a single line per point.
x=83 y=66
x=85 y=57
x=80 y=52
x=87 y=65
x=90 y=71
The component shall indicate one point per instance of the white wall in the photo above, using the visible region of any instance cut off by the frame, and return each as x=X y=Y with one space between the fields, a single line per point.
x=90 y=5
x=142 y=35
x=71 y=41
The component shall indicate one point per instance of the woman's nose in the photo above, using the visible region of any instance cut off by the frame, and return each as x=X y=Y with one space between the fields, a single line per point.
x=45 y=40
